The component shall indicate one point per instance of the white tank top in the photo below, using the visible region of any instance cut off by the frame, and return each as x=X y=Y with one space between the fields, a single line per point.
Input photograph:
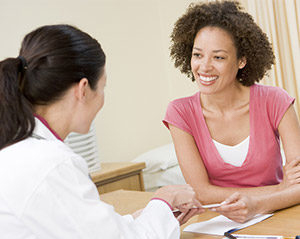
x=234 y=155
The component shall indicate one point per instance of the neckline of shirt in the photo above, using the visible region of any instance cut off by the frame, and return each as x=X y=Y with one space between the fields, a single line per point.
x=245 y=141
x=45 y=123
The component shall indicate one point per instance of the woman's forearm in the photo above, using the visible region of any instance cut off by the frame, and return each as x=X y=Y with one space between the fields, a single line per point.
x=268 y=198
x=280 y=199
x=214 y=194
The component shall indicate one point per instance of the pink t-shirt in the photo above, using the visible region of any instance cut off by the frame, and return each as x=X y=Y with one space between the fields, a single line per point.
x=263 y=163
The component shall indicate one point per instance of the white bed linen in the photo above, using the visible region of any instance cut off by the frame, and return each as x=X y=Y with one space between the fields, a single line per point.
x=158 y=179
x=157 y=159
x=161 y=167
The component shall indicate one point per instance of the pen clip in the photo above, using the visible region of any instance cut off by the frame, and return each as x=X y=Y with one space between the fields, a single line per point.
x=228 y=235
x=232 y=230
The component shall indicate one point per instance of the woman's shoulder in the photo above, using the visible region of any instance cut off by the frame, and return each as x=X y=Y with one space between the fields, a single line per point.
x=186 y=100
x=268 y=90
x=270 y=94
x=271 y=101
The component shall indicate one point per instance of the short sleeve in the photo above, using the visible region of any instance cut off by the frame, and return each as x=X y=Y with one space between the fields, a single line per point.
x=278 y=103
x=177 y=116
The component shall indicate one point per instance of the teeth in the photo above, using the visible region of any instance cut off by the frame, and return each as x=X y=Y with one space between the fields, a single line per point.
x=207 y=79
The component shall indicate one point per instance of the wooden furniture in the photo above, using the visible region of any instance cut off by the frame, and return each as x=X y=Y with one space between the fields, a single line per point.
x=284 y=222
x=121 y=175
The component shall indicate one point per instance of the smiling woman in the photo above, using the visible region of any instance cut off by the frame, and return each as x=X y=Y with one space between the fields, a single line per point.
x=215 y=64
x=219 y=46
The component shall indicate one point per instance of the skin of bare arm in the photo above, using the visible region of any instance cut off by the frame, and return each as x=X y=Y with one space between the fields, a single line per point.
x=289 y=131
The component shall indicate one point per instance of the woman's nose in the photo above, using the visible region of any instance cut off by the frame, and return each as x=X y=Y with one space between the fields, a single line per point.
x=205 y=64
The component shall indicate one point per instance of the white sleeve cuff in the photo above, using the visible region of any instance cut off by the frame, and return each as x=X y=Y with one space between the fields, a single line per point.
x=161 y=219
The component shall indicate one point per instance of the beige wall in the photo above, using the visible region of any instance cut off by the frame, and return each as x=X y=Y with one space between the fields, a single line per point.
x=141 y=77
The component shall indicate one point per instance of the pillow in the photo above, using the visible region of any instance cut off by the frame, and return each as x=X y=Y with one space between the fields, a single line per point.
x=158 y=159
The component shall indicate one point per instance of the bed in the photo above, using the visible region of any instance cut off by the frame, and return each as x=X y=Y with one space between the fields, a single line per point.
x=161 y=167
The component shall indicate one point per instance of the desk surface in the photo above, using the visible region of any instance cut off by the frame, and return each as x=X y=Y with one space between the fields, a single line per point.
x=284 y=222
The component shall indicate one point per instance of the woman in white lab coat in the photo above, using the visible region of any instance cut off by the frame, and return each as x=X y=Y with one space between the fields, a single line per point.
x=56 y=86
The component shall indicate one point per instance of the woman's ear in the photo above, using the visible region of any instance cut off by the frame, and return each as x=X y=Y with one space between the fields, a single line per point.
x=242 y=62
x=81 y=89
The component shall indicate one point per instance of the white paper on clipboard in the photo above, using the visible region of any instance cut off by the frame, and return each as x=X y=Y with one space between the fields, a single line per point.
x=220 y=224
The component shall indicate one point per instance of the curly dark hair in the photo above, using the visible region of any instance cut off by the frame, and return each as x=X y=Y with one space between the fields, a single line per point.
x=250 y=41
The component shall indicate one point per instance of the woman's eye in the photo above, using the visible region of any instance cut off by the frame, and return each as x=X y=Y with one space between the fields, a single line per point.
x=219 y=57
x=196 y=54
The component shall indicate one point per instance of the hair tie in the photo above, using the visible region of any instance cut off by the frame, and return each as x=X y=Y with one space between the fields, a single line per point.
x=23 y=65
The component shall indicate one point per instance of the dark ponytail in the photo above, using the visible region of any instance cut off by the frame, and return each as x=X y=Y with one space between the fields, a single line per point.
x=17 y=121
x=52 y=59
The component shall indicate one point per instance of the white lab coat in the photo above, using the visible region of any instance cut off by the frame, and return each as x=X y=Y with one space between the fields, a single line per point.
x=45 y=192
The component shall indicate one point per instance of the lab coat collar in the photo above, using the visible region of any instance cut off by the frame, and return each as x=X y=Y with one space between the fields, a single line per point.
x=41 y=130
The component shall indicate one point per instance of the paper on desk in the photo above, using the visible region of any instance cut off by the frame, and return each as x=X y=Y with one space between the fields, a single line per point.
x=219 y=225
x=255 y=236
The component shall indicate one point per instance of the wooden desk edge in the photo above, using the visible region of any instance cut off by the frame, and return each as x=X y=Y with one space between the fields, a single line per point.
x=125 y=167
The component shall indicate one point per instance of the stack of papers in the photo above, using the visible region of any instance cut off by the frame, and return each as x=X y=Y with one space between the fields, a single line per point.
x=219 y=225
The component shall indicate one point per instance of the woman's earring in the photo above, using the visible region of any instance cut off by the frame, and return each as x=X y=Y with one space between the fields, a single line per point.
x=242 y=64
